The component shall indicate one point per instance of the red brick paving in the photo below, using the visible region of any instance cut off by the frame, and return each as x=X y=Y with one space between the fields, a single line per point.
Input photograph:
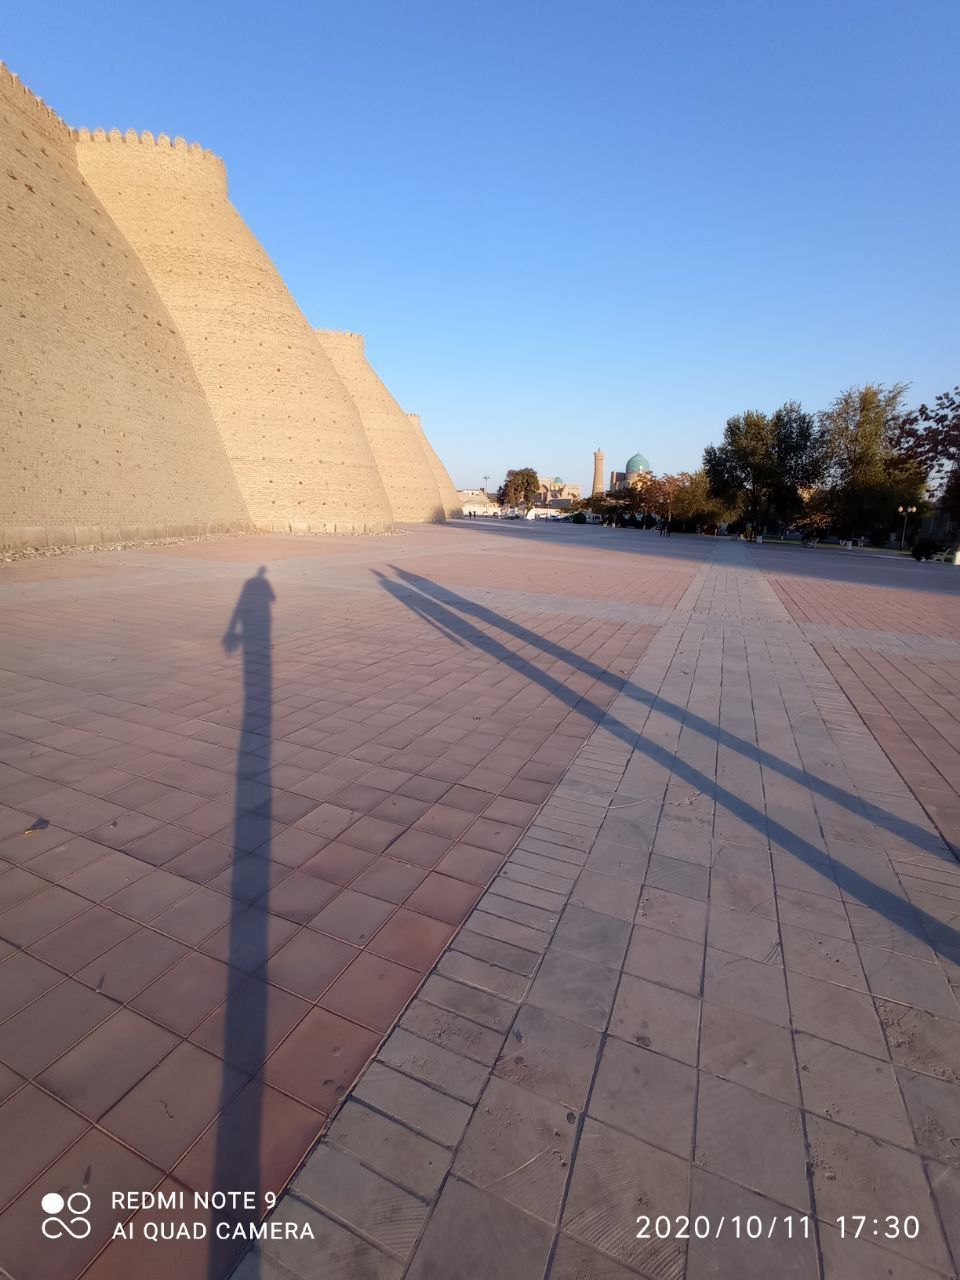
x=147 y=928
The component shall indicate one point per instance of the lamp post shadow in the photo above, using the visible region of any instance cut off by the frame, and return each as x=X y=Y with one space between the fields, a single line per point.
x=237 y=1162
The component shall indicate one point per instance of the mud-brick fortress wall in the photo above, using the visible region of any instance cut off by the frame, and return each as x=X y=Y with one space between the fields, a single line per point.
x=291 y=431
x=448 y=494
x=400 y=455
x=105 y=432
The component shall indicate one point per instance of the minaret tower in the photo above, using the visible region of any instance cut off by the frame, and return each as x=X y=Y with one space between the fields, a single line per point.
x=597 y=473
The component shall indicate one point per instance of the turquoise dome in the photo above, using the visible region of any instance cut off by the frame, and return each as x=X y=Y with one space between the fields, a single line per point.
x=637 y=463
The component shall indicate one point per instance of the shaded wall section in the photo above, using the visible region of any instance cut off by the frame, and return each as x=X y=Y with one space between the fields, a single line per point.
x=448 y=494
x=291 y=431
x=107 y=435
x=399 y=449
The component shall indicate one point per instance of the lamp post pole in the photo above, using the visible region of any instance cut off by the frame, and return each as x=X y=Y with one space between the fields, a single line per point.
x=486 y=481
x=906 y=512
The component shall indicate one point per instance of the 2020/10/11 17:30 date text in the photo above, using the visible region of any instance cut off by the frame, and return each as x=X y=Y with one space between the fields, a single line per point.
x=789 y=1226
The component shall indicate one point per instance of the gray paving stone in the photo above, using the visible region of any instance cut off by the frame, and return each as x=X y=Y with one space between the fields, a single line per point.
x=550 y=1055
x=574 y=988
x=479 y=973
x=748 y=1051
x=945 y=1182
x=751 y=1139
x=852 y=1089
x=615 y=1178
x=934 y=1107
x=848 y=1258
x=518 y=1146
x=504 y=930
x=746 y=889
x=507 y=909
x=566 y=872
x=607 y=894
x=836 y=1013
x=921 y=1040
x=592 y=935
x=673 y=913
x=648 y=1095
x=678 y=876
x=855 y=1174
x=745 y=985
x=451 y=1031
x=472 y=1233
x=518 y=960
x=509 y=887
x=821 y=955
x=656 y=1017
x=562 y=854
x=744 y=933
x=458 y=1076
x=427 y=1110
x=613 y=858
x=341 y=1185
x=672 y=961
x=787 y=1252
x=334 y=1253
x=484 y=1007
x=915 y=982
x=258 y=1266
x=574 y=1261
x=537 y=878
x=402 y=1155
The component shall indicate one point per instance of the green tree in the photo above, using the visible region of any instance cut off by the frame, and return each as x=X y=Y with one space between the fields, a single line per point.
x=867 y=477
x=765 y=463
x=519 y=488
x=695 y=505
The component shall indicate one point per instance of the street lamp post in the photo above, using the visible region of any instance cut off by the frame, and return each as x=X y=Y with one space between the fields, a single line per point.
x=906 y=512
x=486 y=481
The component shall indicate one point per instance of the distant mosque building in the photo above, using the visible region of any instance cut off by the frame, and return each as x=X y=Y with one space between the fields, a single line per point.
x=555 y=492
x=632 y=475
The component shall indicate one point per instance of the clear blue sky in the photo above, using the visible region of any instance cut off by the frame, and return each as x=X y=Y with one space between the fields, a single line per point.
x=563 y=225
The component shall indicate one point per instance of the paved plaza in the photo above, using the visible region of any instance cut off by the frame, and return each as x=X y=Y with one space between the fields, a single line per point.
x=594 y=895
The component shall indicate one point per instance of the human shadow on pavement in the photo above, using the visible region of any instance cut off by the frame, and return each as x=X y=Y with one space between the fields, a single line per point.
x=240 y=1121
x=456 y=613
